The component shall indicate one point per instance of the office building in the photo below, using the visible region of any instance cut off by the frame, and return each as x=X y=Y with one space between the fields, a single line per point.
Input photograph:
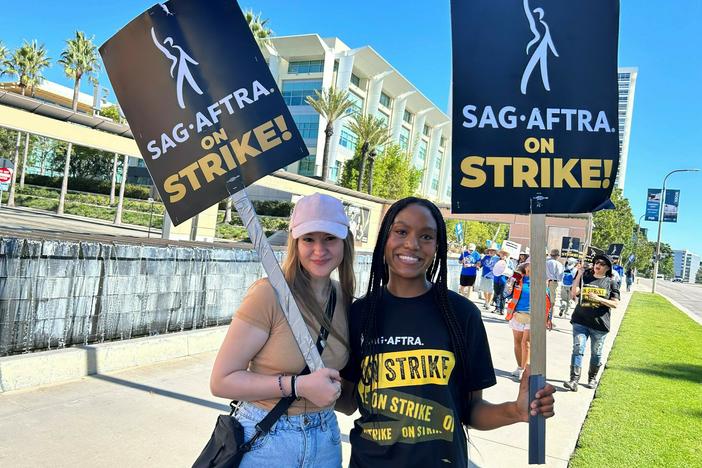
x=627 y=88
x=307 y=63
x=685 y=265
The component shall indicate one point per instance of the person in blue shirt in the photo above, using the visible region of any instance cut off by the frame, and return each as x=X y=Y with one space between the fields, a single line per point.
x=486 y=281
x=468 y=260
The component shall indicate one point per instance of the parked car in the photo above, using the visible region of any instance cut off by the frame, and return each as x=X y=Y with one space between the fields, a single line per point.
x=660 y=276
x=677 y=280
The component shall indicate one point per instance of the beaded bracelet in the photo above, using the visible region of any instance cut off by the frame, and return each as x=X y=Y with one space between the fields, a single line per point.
x=280 y=385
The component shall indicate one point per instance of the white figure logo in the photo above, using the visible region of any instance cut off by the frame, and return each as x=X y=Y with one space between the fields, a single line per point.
x=182 y=62
x=540 y=55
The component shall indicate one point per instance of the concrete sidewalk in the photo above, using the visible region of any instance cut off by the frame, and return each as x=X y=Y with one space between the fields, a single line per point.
x=162 y=415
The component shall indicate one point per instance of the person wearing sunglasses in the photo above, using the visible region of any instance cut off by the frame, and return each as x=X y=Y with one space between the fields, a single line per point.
x=599 y=294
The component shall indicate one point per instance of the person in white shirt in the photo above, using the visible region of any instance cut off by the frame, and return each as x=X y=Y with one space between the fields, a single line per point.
x=554 y=275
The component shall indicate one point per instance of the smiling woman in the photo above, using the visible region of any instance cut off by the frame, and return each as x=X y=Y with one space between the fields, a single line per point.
x=419 y=353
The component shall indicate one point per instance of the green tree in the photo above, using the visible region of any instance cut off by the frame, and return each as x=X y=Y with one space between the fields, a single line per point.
x=477 y=232
x=3 y=56
x=111 y=112
x=666 y=262
x=79 y=59
x=332 y=104
x=372 y=133
x=259 y=28
x=27 y=64
x=615 y=226
x=87 y=163
x=394 y=177
x=698 y=277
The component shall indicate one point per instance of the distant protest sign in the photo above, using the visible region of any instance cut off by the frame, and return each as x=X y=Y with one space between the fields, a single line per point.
x=570 y=247
x=615 y=251
x=204 y=109
x=591 y=252
x=535 y=123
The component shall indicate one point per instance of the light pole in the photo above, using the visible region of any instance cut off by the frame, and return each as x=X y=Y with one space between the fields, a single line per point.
x=656 y=259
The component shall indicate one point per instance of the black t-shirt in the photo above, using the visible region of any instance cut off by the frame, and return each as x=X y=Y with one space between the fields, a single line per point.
x=591 y=314
x=412 y=416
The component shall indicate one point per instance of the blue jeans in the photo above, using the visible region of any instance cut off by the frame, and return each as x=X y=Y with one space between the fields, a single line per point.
x=580 y=335
x=307 y=440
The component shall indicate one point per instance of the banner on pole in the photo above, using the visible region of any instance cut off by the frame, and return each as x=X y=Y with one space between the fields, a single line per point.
x=459 y=232
x=206 y=112
x=570 y=247
x=653 y=204
x=670 y=206
x=535 y=123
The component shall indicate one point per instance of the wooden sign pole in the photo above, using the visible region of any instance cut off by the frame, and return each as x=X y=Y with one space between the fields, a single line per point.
x=537 y=307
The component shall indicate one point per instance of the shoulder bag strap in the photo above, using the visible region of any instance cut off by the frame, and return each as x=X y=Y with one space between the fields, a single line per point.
x=283 y=404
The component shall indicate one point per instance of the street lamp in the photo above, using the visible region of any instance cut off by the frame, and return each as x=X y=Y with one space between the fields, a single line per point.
x=656 y=259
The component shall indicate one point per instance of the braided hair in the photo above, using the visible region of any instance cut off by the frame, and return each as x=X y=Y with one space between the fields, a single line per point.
x=437 y=273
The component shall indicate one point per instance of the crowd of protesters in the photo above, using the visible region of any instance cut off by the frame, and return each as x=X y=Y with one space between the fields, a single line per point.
x=584 y=293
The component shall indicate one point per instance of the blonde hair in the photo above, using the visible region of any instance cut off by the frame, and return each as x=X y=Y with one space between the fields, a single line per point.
x=299 y=282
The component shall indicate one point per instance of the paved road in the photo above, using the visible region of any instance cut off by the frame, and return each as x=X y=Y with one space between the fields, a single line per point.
x=21 y=219
x=161 y=415
x=687 y=295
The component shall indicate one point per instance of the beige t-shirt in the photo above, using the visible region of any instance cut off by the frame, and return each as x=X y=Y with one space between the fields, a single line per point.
x=280 y=353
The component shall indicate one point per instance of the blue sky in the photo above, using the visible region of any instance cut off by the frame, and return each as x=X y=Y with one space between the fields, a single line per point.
x=662 y=40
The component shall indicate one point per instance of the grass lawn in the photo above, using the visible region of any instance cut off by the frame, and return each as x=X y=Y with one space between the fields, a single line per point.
x=648 y=407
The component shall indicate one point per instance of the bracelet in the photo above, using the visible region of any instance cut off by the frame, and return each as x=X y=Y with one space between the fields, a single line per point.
x=280 y=386
x=292 y=386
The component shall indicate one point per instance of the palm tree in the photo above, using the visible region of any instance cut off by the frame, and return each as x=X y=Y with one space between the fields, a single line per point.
x=79 y=59
x=372 y=133
x=332 y=104
x=3 y=56
x=27 y=63
x=259 y=28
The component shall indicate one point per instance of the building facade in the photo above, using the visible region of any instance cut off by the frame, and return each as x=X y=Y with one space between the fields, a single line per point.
x=307 y=63
x=685 y=265
x=627 y=88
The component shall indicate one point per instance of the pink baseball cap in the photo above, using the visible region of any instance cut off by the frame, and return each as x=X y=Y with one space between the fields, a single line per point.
x=319 y=213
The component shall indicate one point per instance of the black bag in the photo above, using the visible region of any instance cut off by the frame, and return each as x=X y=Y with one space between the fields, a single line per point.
x=226 y=446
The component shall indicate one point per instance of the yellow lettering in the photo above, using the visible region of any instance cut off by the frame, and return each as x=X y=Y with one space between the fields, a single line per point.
x=189 y=172
x=211 y=165
x=499 y=165
x=174 y=188
x=590 y=172
x=242 y=149
x=475 y=176
x=525 y=172
x=266 y=136
x=563 y=173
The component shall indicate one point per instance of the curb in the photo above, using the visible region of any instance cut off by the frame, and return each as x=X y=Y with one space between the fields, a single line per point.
x=51 y=367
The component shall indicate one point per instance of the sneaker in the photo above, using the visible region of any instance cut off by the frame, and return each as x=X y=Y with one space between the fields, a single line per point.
x=517 y=373
x=560 y=314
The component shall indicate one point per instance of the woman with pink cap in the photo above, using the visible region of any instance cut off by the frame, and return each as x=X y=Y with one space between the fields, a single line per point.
x=259 y=361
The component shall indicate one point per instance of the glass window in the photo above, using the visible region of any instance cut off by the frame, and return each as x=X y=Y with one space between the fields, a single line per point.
x=348 y=139
x=306 y=66
x=404 y=138
x=426 y=130
x=385 y=100
x=355 y=80
x=435 y=184
x=442 y=142
x=421 y=155
x=308 y=125
x=295 y=91
x=307 y=165
x=357 y=107
x=408 y=117
x=383 y=116
x=335 y=171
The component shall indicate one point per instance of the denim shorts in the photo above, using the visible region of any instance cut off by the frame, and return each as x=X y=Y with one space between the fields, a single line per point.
x=307 y=440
